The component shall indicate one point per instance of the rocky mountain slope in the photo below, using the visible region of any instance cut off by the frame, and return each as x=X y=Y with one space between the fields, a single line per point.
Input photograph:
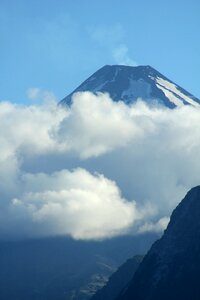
x=171 y=269
x=119 y=280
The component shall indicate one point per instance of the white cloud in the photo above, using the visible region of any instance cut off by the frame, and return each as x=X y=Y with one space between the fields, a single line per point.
x=149 y=155
x=75 y=203
x=159 y=226
x=95 y=126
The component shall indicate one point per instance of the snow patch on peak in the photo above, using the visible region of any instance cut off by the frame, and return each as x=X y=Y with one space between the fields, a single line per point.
x=173 y=93
x=172 y=98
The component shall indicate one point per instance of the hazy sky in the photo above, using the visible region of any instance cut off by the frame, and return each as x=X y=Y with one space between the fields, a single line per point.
x=56 y=44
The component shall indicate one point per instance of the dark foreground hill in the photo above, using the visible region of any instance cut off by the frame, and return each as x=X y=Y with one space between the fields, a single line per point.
x=119 y=280
x=171 y=269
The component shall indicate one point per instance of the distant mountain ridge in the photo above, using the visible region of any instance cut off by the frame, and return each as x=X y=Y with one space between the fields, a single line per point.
x=171 y=269
x=60 y=268
x=129 y=83
x=119 y=279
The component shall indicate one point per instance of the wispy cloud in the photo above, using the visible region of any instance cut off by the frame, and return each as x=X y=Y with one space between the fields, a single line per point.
x=107 y=34
x=158 y=226
x=35 y=93
x=121 y=56
x=111 y=38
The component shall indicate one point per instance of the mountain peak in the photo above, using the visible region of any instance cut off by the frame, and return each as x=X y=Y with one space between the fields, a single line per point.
x=138 y=70
x=130 y=83
x=128 y=67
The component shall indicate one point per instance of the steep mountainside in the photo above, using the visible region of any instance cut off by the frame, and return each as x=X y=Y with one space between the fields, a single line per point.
x=171 y=269
x=130 y=83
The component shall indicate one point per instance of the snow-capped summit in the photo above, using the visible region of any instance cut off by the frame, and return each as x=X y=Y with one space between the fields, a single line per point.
x=128 y=83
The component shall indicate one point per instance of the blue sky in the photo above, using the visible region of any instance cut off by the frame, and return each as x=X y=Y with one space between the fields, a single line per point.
x=55 y=45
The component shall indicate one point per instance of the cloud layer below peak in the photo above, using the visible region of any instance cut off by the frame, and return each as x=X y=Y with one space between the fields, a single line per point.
x=95 y=170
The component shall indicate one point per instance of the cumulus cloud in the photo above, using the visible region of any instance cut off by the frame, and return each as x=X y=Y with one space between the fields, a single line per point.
x=75 y=203
x=28 y=129
x=51 y=160
x=97 y=126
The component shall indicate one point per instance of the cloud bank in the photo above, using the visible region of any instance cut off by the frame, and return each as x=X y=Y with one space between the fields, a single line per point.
x=95 y=170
